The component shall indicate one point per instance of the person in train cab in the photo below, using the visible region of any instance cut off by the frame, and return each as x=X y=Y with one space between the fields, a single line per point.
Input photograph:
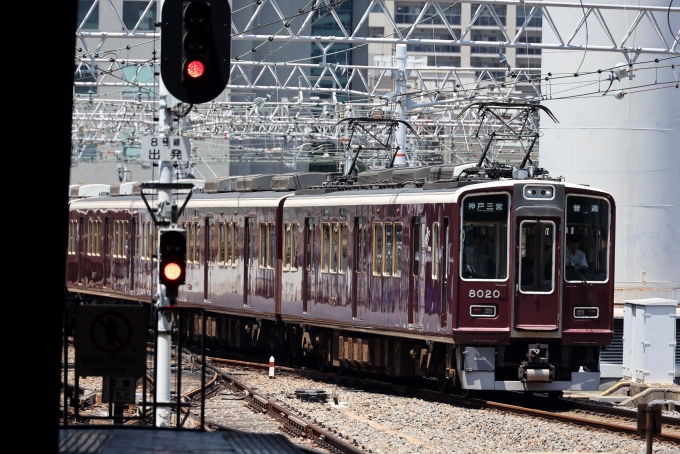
x=575 y=258
x=479 y=256
x=468 y=269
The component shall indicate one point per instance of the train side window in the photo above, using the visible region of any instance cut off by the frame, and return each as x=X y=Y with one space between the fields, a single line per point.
x=417 y=238
x=325 y=247
x=309 y=243
x=335 y=247
x=447 y=246
x=234 y=244
x=271 y=256
x=72 y=229
x=295 y=228
x=361 y=246
x=398 y=249
x=286 y=246
x=388 y=245
x=229 y=243
x=263 y=245
x=377 y=248
x=484 y=237
x=343 y=248
x=435 y=251
x=221 y=243
x=116 y=247
x=154 y=251
x=586 y=244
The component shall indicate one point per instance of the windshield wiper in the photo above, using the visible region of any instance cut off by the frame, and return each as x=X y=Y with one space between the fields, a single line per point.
x=580 y=275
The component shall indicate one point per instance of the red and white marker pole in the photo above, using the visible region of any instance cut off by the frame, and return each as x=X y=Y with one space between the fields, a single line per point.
x=271 y=367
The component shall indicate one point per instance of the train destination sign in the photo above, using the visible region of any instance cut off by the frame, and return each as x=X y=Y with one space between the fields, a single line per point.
x=110 y=341
x=172 y=148
x=491 y=207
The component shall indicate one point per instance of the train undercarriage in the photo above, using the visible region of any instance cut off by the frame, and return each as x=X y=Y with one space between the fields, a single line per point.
x=522 y=365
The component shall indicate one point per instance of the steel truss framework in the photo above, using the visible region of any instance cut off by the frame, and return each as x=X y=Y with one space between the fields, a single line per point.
x=441 y=93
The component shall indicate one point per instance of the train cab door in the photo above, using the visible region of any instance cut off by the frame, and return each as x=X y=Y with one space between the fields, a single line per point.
x=537 y=298
x=208 y=259
x=416 y=283
x=359 y=285
x=309 y=274
x=249 y=262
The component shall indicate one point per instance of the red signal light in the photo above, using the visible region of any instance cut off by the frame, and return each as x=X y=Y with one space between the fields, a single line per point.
x=172 y=271
x=195 y=69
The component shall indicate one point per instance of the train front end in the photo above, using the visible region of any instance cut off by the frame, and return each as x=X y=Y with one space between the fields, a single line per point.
x=535 y=286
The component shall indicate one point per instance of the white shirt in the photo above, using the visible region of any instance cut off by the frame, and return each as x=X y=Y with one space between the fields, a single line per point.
x=577 y=259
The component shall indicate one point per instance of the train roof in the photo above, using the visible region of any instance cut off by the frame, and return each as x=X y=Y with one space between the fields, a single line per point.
x=337 y=198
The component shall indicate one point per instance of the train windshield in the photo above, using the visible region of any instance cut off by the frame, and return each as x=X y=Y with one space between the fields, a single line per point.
x=586 y=244
x=484 y=240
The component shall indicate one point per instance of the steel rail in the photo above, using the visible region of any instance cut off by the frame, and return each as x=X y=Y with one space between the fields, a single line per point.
x=483 y=403
x=292 y=423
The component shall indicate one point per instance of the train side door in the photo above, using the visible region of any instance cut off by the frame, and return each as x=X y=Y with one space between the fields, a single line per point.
x=446 y=270
x=207 y=258
x=133 y=251
x=416 y=294
x=249 y=262
x=309 y=275
x=359 y=286
x=107 y=252
x=81 y=249
x=537 y=299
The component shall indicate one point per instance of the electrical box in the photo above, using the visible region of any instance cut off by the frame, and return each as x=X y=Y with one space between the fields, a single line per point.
x=649 y=340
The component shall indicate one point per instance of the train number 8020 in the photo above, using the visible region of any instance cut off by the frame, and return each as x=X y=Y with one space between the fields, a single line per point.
x=484 y=294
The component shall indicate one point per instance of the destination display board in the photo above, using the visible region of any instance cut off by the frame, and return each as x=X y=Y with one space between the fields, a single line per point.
x=486 y=208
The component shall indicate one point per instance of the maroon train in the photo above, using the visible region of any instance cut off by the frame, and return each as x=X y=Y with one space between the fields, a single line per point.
x=473 y=284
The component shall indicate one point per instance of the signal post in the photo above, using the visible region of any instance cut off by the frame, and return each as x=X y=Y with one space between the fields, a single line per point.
x=195 y=63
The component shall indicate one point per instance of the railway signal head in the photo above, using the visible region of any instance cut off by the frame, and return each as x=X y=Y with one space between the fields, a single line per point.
x=173 y=259
x=195 y=48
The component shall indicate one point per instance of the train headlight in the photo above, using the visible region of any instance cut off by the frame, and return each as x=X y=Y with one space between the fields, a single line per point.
x=586 y=312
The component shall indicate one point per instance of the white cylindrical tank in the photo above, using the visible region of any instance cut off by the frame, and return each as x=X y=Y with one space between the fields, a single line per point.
x=628 y=146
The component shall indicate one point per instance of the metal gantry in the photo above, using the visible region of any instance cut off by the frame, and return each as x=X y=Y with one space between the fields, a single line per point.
x=291 y=117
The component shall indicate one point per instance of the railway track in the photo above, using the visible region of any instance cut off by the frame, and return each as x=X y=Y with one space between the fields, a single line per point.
x=562 y=410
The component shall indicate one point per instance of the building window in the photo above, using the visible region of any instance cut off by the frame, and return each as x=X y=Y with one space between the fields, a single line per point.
x=407 y=14
x=528 y=50
x=485 y=36
x=376 y=32
x=535 y=21
x=485 y=19
x=83 y=74
x=432 y=48
x=133 y=11
x=92 y=22
x=137 y=75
